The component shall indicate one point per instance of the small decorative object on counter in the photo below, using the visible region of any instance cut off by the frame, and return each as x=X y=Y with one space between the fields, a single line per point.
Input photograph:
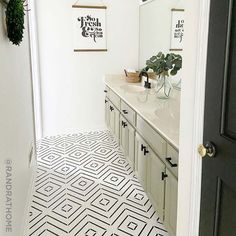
x=164 y=66
x=132 y=76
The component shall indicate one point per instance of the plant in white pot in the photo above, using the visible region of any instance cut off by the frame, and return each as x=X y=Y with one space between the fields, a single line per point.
x=164 y=66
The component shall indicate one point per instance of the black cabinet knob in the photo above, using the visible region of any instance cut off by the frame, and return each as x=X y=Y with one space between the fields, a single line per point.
x=163 y=176
x=111 y=108
x=125 y=112
x=145 y=151
x=124 y=124
x=105 y=91
x=106 y=101
x=142 y=147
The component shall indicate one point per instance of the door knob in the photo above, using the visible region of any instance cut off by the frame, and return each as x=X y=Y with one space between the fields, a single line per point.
x=207 y=149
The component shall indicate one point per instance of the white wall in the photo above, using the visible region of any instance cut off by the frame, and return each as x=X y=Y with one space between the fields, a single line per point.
x=16 y=125
x=72 y=84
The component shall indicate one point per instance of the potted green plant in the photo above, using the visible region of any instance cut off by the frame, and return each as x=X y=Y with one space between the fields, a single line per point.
x=164 y=66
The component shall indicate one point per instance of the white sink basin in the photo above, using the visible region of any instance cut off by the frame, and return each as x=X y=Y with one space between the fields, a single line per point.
x=132 y=88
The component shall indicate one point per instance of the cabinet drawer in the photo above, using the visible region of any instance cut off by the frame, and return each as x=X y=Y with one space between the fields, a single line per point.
x=128 y=113
x=157 y=143
x=115 y=99
x=171 y=159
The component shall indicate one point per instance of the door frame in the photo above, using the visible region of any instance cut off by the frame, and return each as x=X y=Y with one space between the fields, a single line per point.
x=35 y=69
x=192 y=99
x=192 y=122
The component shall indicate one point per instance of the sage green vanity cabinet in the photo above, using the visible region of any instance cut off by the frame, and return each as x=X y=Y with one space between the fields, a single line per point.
x=107 y=112
x=156 y=182
x=170 y=219
x=141 y=156
x=127 y=139
x=114 y=120
x=154 y=159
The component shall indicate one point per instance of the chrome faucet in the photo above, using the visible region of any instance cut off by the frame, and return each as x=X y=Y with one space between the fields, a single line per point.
x=147 y=84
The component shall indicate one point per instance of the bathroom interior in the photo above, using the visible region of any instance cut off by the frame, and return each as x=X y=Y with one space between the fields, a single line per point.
x=98 y=126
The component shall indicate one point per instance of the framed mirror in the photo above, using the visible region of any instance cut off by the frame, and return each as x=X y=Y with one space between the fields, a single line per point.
x=156 y=30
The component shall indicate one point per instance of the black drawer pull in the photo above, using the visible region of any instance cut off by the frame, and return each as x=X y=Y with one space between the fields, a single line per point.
x=163 y=176
x=125 y=112
x=105 y=91
x=111 y=108
x=106 y=101
x=168 y=159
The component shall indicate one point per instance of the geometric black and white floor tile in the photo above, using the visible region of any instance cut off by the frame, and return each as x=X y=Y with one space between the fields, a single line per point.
x=85 y=187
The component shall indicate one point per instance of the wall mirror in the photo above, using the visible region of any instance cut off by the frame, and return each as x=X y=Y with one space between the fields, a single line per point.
x=156 y=30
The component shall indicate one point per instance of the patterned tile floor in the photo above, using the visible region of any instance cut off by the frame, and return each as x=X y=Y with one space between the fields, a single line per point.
x=85 y=187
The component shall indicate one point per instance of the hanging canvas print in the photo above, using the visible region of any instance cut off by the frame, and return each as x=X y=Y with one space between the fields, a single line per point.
x=89 y=26
x=177 y=30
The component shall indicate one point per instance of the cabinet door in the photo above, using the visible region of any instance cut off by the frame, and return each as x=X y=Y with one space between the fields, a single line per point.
x=112 y=117
x=116 y=123
x=107 y=113
x=127 y=139
x=130 y=144
x=123 y=136
x=141 y=160
x=114 y=120
x=171 y=198
x=156 y=183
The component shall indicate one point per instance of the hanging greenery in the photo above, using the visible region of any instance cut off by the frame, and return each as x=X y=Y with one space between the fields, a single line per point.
x=15 y=12
x=15 y=21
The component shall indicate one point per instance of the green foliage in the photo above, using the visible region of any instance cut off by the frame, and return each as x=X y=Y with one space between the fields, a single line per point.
x=161 y=64
x=15 y=21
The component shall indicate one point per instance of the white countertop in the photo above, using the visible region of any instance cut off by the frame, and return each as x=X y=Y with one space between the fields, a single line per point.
x=162 y=115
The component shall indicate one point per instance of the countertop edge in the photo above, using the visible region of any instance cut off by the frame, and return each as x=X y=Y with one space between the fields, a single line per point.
x=171 y=142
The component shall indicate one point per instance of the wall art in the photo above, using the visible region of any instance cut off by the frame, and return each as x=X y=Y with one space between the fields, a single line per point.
x=177 y=30
x=89 y=28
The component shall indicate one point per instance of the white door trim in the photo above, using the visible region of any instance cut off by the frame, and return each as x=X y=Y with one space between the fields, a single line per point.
x=35 y=69
x=189 y=211
x=198 y=127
